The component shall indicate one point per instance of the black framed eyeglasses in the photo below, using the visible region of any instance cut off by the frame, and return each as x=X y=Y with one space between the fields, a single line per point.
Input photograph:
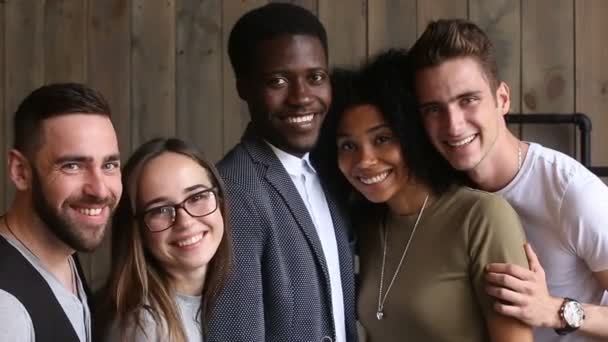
x=200 y=204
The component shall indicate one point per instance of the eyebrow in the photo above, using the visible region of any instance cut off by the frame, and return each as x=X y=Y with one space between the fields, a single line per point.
x=73 y=158
x=84 y=159
x=186 y=191
x=112 y=157
x=367 y=131
x=287 y=71
x=459 y=96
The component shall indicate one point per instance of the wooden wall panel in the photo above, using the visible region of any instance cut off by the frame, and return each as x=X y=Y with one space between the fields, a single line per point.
x=548 y=69
x=108 y=70
x=311 y=5
x=199 y=67
x=152 y=70
x=109 y=61
x=592 y=72
x=439 y=9
x=64 y=38
x=24 y=60
x=236 y=114
x=3 y=123
x=501 y=20
x=390 y=24
x=345 y=22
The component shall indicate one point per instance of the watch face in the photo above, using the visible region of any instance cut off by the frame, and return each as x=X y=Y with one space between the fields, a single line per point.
x=574 y=314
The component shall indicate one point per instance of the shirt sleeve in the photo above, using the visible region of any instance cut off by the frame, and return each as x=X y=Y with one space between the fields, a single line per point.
x=15 y=322
x=584 y=219
x=495 y=236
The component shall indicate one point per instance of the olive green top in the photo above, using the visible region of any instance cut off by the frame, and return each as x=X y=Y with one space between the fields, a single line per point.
x=438 y=294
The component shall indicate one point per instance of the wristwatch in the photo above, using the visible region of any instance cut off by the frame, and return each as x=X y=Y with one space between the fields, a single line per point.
x=572 y=315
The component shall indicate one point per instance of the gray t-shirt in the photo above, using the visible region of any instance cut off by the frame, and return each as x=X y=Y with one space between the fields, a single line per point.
x=16 y=323
x=191 y=319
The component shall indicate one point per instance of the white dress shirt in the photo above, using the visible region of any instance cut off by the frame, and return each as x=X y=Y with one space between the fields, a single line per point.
x=305 y=178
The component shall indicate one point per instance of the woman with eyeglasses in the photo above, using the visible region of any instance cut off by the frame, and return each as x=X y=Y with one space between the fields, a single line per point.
x=170 y=247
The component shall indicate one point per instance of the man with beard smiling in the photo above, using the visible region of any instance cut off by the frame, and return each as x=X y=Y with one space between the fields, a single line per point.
x=293 y=269
x=65 y=166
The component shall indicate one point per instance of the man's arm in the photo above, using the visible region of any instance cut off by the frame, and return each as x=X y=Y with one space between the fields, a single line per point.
x=596 y=320
x=523 y=294
x=15 y=322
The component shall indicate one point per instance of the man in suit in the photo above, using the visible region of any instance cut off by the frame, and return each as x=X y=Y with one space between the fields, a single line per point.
x=65 y=166
x=293 y=272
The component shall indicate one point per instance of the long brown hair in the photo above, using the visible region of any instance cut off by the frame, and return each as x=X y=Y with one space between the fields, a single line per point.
x=137 y=282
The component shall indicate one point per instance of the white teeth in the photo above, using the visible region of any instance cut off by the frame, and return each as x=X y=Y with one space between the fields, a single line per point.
x=376 y=179
x=190 y=241
x=300 y=119
x=462 y=142
x=90 y=211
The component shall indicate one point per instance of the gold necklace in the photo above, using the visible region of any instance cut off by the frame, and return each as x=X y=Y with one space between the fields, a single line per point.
x=72 y=277
x=384 y=231
x=16 y=237
x=519 y=161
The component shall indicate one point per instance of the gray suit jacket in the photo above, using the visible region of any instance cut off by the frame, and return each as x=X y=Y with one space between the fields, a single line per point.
x=279 y=289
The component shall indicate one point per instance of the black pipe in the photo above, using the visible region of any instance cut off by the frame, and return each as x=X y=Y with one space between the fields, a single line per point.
x=600 y=171
x=581 y=120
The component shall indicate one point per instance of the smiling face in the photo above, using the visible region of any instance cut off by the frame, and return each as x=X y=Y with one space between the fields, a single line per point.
x=191 y=242
x=76 y=182
x=369 y=154
x=288 y=91
x=462 y=115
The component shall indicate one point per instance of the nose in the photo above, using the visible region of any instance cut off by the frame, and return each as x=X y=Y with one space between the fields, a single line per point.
x=299 y=93
x=454 y=121
x=182 y=218
x=95 y=185
x=366 y=157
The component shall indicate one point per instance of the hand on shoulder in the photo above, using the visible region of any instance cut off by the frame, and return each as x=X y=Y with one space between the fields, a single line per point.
x=522 y=293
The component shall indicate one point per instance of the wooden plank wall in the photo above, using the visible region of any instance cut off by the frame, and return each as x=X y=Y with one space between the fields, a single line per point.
x=164 y=67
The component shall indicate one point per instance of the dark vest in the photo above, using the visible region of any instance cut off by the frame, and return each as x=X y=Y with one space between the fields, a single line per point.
x=19 y=278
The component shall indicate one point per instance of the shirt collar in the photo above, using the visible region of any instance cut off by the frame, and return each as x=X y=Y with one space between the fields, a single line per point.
x=295 y=166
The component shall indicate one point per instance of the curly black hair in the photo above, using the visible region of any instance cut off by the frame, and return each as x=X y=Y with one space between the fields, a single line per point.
x=383 y=83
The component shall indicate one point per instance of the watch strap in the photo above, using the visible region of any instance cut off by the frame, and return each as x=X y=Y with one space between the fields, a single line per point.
x=565 y=331
x=567 y=328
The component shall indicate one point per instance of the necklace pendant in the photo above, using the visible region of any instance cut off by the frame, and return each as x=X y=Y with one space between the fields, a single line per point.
x=379 y=315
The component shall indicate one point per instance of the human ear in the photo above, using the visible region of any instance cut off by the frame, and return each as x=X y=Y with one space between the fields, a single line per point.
x=503 y=98
x=242 y=88
x=19 y=169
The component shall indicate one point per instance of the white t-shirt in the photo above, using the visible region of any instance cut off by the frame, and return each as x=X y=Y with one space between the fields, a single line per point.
x=564 y=211
x=16 y=323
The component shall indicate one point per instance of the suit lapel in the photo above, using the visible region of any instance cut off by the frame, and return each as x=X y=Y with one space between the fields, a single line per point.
x=341 y=230
x=277 y=176
x=345 y=242
x=281 y=181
